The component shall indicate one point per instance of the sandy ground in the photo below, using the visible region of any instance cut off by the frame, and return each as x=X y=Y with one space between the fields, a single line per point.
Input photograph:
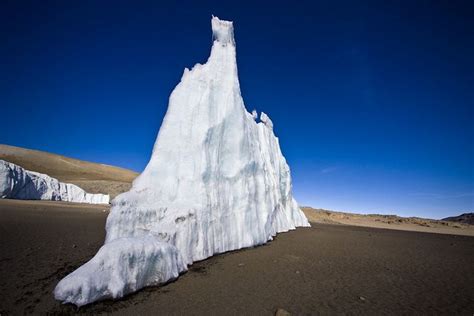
x=92 y=177
x=389 y=222
x=326 y=269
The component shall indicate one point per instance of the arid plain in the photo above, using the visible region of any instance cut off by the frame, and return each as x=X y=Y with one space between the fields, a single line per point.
x=344 y=263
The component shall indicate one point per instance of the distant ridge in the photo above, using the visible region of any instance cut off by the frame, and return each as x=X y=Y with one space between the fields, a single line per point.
x=92 y=177
x=444 y=226
x=465 y=218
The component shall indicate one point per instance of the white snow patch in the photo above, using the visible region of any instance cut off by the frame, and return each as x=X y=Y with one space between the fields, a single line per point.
x=216 y=181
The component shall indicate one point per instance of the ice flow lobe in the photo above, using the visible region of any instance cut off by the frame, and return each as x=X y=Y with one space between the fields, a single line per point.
x=216 y=181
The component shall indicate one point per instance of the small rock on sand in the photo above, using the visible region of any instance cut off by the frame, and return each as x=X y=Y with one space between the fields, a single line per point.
x=282 y=312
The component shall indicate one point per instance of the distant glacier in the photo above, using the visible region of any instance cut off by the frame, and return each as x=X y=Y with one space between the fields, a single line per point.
x=19 y=183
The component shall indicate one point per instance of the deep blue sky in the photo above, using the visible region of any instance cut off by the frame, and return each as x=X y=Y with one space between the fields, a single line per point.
x=372 y=101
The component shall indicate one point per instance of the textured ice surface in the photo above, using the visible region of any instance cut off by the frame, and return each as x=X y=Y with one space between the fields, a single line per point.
x=120 y=267
x=216 y=181
x=18 y=183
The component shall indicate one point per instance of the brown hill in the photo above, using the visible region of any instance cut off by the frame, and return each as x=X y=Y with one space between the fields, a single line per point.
x=388 y=222
x=92 y=177
x=466 y=218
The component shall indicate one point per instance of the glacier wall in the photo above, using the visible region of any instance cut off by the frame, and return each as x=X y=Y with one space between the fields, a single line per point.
x=216 y=181
x=18 y=183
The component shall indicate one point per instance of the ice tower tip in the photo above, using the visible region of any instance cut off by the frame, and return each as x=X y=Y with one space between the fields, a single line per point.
x=222 y=31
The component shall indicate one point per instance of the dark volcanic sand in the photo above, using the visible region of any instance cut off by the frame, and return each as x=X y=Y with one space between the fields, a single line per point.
x=325 y=269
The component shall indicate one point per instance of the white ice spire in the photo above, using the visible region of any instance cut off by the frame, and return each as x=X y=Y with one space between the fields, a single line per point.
x=217 y=181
